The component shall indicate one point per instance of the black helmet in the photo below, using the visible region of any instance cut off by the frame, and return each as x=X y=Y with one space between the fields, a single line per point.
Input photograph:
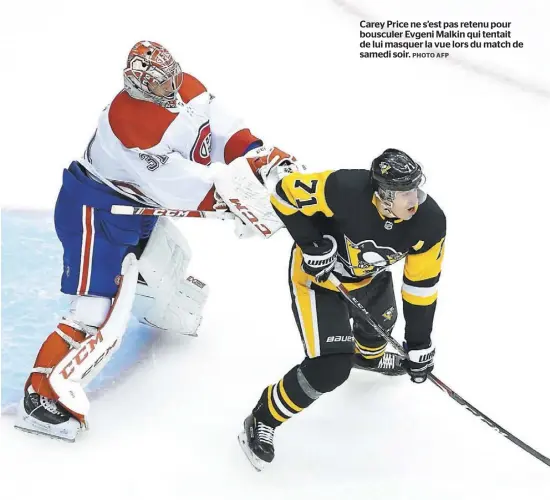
x=394 y=170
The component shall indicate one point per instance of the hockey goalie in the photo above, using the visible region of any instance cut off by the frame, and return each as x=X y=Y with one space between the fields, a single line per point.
x=153 y=147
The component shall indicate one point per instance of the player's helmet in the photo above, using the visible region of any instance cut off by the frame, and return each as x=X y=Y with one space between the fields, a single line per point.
x=150 y=62
x=395 y=170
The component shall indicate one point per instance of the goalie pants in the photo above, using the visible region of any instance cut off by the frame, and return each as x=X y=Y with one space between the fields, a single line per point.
x=331 y=331
x=94 y=241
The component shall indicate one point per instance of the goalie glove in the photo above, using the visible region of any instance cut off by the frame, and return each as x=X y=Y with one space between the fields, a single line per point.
x=419 y=363
x=319 y=258
x=270 y=165
x=219 y=203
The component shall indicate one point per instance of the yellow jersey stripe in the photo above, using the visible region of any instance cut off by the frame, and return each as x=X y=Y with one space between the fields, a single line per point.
x=307 y=192
x=281 y=205
x=416 y=300
x=425 y=265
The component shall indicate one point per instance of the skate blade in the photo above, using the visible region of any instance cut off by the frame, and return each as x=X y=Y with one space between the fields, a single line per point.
x=374 y=370
x=257 y=463
x=359 y=366
x=39 y=433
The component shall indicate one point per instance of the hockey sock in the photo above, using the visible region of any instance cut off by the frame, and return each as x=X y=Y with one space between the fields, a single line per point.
x=301 y=386
x=282 y=400
x=371 y=348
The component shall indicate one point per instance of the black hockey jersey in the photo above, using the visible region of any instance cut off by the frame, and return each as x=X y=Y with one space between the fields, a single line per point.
x=341 y=203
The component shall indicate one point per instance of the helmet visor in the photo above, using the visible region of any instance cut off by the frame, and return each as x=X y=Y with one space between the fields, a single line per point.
x=167 y=87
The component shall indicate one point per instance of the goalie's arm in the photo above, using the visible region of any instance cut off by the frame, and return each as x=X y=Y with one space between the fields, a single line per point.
x=299 y=200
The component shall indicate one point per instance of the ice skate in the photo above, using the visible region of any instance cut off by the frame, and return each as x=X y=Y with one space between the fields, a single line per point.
x=389 y=364
x=256 y=440
x=37 y=414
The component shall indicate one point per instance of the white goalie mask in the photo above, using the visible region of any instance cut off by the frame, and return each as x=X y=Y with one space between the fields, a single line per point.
x=150 y=66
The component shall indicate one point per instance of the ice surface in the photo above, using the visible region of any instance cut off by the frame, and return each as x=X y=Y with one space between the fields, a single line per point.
x=168 y=429
x=32 y=304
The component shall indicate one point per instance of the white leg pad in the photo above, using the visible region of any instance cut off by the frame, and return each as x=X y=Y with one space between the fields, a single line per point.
x=169 y=301
x=81 y=364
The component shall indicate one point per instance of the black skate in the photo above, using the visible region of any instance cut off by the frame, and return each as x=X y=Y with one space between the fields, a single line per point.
x=256 y=440
x=39 y=415
x=389 y=364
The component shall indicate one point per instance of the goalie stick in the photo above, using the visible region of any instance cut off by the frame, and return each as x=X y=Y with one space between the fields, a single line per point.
x=169 y=212
x=445 y=388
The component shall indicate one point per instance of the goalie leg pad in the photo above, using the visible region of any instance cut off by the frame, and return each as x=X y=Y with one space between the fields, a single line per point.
x=86 y=358
x=53 y=350
x=167 y=300
x=85 y=315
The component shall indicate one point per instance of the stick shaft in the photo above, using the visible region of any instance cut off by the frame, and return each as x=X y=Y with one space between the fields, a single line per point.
x=169 y=212
x=436 y=381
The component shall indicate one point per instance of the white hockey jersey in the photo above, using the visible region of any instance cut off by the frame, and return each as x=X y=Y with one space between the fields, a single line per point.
x=161 y=157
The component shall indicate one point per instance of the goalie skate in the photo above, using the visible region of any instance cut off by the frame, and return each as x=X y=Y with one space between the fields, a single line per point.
x=39 y=415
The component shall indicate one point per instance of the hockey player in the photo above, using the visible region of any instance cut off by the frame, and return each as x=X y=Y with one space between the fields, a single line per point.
x=153 y=146
x=355 y=224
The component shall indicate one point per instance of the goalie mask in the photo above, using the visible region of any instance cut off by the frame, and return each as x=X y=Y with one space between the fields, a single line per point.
x=152 y=74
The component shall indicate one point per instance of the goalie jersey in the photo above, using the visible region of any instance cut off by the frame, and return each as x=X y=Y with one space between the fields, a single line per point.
x=161 y=156
x=341 y=203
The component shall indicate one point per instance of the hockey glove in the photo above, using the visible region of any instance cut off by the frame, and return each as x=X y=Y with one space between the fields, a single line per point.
x=320 y=258
x=419 y=363
x=219 y=204
x=270 y=165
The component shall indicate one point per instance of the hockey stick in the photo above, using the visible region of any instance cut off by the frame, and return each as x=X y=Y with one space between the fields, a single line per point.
x=445 y=388
x=169 y=212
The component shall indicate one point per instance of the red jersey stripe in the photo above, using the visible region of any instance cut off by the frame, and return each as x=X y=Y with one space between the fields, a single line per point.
x=138 y=124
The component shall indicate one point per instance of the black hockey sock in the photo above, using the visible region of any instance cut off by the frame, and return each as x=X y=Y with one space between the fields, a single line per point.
x=301 y=386
x=371 y=348
x=283 y=400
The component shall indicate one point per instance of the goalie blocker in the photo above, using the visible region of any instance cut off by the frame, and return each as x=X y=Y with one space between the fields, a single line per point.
x=247 y=198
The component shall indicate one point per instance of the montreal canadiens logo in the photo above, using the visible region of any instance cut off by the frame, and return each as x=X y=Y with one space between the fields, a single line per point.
x=200 y=152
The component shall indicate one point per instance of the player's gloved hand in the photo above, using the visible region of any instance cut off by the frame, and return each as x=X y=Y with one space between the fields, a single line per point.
x=271 y=164
x=219 y=204
x=420 y=362
x=319 y=258
x=241 y=229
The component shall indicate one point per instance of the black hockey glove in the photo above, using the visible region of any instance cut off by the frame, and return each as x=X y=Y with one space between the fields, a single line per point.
x=420 y=362
x=320 y=258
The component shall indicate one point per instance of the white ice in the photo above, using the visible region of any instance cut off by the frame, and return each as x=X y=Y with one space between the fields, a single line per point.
x=291 y=67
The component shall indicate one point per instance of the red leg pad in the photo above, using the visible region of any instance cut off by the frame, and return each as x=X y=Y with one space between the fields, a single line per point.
x=50 y=354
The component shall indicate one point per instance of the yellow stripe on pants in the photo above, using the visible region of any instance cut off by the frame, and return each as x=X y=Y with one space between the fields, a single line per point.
x=302 y=293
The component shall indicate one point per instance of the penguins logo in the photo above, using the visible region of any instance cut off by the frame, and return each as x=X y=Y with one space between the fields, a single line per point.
x=366 y=258
x=384 y=168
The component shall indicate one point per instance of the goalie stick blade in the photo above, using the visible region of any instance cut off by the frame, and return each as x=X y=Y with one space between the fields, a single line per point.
x=253 y=459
